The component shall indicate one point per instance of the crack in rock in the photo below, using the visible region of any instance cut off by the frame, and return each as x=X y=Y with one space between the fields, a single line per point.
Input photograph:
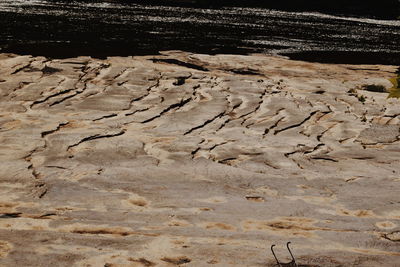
x=297 y=124
x=205 y=123
x=94 y=137
x=175 y=105
x=61 y=125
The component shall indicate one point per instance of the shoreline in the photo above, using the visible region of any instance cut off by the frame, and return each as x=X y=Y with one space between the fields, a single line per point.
x=327 y=57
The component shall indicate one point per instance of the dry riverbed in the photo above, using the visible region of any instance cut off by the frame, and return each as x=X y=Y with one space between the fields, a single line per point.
x=196 y=160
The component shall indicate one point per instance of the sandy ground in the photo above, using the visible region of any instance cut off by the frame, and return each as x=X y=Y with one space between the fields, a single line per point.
x=196 y=160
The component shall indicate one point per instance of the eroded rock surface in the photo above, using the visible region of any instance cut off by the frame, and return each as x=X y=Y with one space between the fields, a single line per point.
x=196 y=160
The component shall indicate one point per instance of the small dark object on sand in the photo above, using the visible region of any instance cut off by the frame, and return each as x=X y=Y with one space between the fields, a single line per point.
x=290 y=264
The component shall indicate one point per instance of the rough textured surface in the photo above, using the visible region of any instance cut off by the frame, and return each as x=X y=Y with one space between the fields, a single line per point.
x=196 y=160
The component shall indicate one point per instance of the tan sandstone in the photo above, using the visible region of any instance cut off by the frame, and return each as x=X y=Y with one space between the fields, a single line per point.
x=196 y=160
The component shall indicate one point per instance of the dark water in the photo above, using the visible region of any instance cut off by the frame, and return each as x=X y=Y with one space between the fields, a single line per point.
x=100 y=29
